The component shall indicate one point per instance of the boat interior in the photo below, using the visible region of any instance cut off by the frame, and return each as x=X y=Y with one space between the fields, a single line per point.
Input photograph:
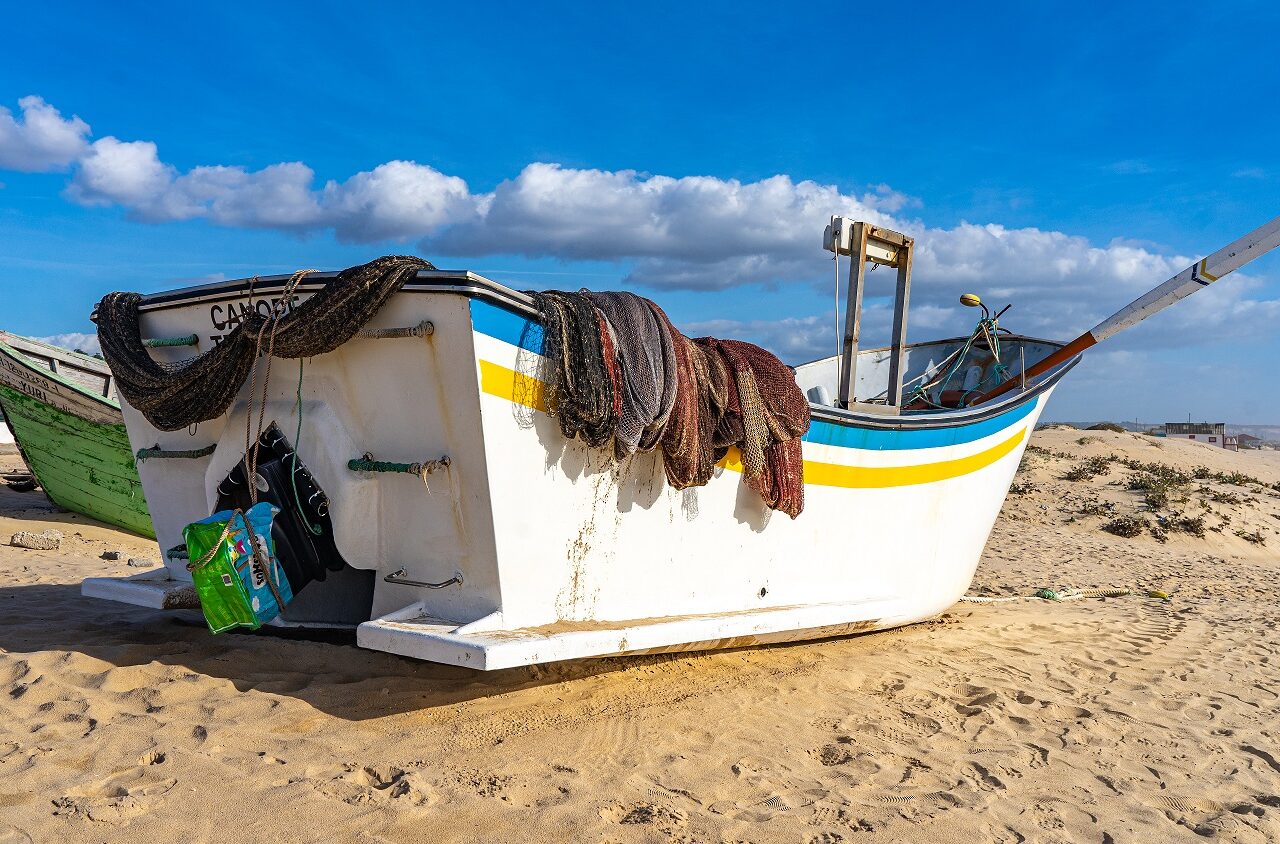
x=904 y=379
x=88 y=372
x=936 y=375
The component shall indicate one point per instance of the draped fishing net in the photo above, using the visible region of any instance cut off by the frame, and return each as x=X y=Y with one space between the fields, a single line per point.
x=176 y=396
x=646 y=365
x=578 y=383
x=697 y=399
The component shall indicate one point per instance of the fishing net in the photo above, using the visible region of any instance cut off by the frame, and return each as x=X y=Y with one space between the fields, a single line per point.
x=579 y=385
x=771 y=416
x=646 y=359
x=178 y=395
x=694 y=398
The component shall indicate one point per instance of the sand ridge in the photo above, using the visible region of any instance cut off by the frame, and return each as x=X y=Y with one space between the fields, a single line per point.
x=1096 y=720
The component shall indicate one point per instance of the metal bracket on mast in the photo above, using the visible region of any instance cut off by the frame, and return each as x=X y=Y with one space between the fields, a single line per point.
x=863 y=242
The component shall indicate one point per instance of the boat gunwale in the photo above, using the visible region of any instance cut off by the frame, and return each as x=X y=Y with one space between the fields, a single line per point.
x=473 y=285
x=15 y=354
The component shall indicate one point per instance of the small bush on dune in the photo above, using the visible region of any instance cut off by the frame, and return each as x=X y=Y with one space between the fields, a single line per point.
x=1182 y=523
x=1090 y=468
x=1126 y=526
x=1107 y=426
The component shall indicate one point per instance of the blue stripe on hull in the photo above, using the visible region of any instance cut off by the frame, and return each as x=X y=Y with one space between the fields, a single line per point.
x=519 y=331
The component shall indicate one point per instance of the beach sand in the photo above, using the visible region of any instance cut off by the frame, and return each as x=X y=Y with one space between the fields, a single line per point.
x=1125 y=719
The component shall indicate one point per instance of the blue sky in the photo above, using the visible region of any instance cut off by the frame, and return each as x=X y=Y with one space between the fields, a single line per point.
x=1060 y=156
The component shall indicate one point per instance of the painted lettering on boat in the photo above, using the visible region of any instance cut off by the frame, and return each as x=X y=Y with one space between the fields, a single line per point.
x=29 y=382
x=225 y=318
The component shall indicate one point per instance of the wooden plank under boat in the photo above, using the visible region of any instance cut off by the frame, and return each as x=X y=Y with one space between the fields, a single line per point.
x=61 y=409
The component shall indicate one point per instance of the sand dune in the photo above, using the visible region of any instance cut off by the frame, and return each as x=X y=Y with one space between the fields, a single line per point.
x=1125 y=719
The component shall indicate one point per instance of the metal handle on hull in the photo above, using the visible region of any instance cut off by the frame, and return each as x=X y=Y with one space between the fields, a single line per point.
x=398 y=577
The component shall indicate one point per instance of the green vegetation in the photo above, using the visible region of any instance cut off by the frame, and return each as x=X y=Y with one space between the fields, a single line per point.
x=1126 y=526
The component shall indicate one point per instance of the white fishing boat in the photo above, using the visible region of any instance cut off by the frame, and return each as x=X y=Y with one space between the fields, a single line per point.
x=468 y=530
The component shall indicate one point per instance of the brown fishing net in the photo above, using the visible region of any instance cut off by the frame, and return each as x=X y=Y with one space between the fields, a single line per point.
x=646 y=360
x=579 y=386
x=175 y=396
x=695 y=398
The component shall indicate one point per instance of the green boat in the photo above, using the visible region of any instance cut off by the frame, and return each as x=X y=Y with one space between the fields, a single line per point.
x=62 y=410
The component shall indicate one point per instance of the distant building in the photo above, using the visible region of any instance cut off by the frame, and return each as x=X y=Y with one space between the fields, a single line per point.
x=1211 y=433
x=1248 y=441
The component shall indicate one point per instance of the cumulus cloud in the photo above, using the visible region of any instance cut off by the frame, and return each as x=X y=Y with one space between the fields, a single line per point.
x=41 y=139
x=75 y=341
x=397 y=200
x=695 y=232
x=663 y=232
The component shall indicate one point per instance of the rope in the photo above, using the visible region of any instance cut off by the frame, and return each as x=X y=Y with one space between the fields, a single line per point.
x=316 y=530
x=178 y=395
x=1064 y=595
x=161 y=342
x=368 y=464
x=213 y=549
x=174 y=454
x=423 y=329
x=251 y=442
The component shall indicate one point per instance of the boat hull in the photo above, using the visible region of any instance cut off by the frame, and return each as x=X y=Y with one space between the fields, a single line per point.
x=74 y=443
x=561 y=552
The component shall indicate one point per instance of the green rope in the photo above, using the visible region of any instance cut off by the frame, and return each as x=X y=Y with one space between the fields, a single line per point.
x=1064 y=595
x=293 y=473
x=368 y=464
x=161 y=342
x=177 y=454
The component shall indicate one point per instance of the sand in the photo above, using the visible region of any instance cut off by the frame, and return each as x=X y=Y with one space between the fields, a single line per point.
x=1125 y=719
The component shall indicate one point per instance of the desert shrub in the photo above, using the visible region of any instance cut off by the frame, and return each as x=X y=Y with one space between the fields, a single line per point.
x=1157 y=498
x=1126 y=526
x=1219 y=496
x=1088 y=440
x=1090 y=468
x=1053 y=426
x=1255 y=537
x=1160 y=484
x=1022 y=489
x=1094 y=507
x=1107 y=426
x=1182 y=523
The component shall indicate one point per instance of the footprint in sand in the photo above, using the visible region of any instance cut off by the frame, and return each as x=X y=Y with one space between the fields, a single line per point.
x=13 y=835
x=117 y=799
x=377 y=785
x=663 y=818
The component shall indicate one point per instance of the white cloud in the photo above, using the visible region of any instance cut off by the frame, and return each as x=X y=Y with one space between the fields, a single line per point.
x=41 y=139
x=128 y=173
x=394 y=201
x=75 y=341
x=665 y=233
x=694 y=232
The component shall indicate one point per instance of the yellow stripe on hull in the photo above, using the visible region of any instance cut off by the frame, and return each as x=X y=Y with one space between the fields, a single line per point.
x=879 y=477
x=528 y=391
x=513 y=386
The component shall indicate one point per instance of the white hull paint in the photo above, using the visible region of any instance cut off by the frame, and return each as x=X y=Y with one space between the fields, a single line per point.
x=563 y=554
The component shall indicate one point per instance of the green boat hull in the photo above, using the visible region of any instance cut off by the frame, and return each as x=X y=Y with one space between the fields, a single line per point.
x=86 y=467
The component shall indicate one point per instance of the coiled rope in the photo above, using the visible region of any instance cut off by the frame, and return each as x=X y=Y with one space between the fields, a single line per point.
x=176 y=396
